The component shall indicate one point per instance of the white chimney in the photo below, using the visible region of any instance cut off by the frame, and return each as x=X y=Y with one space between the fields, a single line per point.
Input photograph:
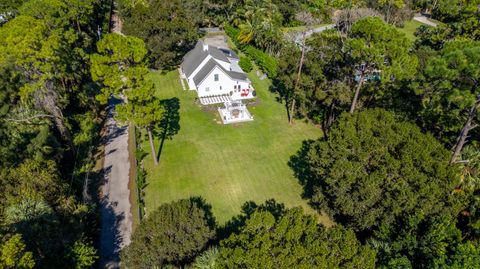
x=205 y=46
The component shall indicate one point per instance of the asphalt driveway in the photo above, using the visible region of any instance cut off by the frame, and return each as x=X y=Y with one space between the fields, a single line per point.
x=116 y=217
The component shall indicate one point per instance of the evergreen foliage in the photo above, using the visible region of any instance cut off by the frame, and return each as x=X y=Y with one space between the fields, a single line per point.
x=375 y=169
x=245 y=64
x=46 y=94
x=171 y=235
x=168 y=28
x=264 y=61
x=292 y=240
x=388 y=181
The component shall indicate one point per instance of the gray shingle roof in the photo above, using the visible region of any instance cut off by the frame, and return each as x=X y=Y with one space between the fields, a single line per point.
x=207 y=68
x=210 y=65
x=237 y=75
x=193 y=59
x=228 y=53
x=196 y=56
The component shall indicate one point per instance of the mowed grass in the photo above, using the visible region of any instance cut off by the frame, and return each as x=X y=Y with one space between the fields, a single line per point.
x=410 y=27
x=227 y=165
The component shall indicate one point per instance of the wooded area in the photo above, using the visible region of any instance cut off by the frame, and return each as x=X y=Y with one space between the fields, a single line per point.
x=397 y=167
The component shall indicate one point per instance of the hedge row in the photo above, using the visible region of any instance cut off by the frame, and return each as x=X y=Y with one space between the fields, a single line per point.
x=267 y=63
x=245 y=64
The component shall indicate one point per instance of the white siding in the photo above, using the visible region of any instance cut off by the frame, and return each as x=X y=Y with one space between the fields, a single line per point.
x=211 y=87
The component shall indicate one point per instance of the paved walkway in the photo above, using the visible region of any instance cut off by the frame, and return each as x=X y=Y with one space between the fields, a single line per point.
x=116 y=217
x=299 y=35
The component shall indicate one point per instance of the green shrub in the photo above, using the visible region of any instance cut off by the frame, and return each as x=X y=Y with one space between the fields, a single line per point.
x=267 y=63
x=232 y=32
x=173 y=234
x=245 y=64
x=264 y=61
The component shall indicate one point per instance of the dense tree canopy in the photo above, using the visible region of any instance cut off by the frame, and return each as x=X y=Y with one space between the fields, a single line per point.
x=168 y=28
x=425 y=242
x=292 y=240
x=121 y=67
x=451 y=92
x=387 y=180
x=46 y=97
x=356 y=69
x=375 y=168
x=173 y=234
x=376 y=47
x=13 y=254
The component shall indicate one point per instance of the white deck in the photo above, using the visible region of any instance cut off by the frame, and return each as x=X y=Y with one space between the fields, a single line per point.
x=234 y=112
x=221 y=99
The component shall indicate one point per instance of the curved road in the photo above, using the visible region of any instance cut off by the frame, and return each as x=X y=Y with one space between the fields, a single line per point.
x=298 y=36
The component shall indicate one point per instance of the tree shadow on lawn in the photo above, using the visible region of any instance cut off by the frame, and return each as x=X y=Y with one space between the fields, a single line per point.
x=169 y=126
x=301 y=169
x=200 y=202
x=311 y=184
x=248 y=208
x=281 y=96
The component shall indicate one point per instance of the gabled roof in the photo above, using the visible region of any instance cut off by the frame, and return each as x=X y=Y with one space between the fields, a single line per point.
x=209 y=66
x=196 y=56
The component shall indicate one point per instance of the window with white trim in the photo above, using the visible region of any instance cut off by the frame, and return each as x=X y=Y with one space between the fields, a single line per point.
x=215 y=77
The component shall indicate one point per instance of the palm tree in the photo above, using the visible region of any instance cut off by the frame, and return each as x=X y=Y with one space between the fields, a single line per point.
x=247 y=32
x=470 y=165
x=207 y=260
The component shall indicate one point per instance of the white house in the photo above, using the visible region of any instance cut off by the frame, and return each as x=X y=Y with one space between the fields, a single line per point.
x=215 y=74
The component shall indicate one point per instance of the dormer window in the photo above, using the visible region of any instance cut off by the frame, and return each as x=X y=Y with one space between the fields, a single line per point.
x=215 y=77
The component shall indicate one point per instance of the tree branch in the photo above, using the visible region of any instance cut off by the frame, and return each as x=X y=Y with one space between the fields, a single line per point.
x=30 y=118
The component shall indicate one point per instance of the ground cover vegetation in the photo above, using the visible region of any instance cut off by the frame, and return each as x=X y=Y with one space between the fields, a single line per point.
x=389 y=124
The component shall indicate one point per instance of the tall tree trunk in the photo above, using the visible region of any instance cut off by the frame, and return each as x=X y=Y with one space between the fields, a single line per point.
x=48 y=102
x=462 y=137
x=62 y=129
x=292 y=110
x=328 y=119
x=357 y=92
x=152 y=146
x=331 y=115
x=297 y=81
x=389 y=7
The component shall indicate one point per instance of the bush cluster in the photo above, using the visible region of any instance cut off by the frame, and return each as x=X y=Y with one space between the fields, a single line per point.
x=245 y=64
x=264 y=61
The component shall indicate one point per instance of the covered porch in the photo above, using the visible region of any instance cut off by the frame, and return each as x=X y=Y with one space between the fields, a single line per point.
x=214 y=99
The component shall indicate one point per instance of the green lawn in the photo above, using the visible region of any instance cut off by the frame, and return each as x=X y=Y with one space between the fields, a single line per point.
x=410 y=27
x=227 y=164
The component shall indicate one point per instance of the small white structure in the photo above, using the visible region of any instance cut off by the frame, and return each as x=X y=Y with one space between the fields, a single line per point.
x=234 y=111
x=215 y=74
